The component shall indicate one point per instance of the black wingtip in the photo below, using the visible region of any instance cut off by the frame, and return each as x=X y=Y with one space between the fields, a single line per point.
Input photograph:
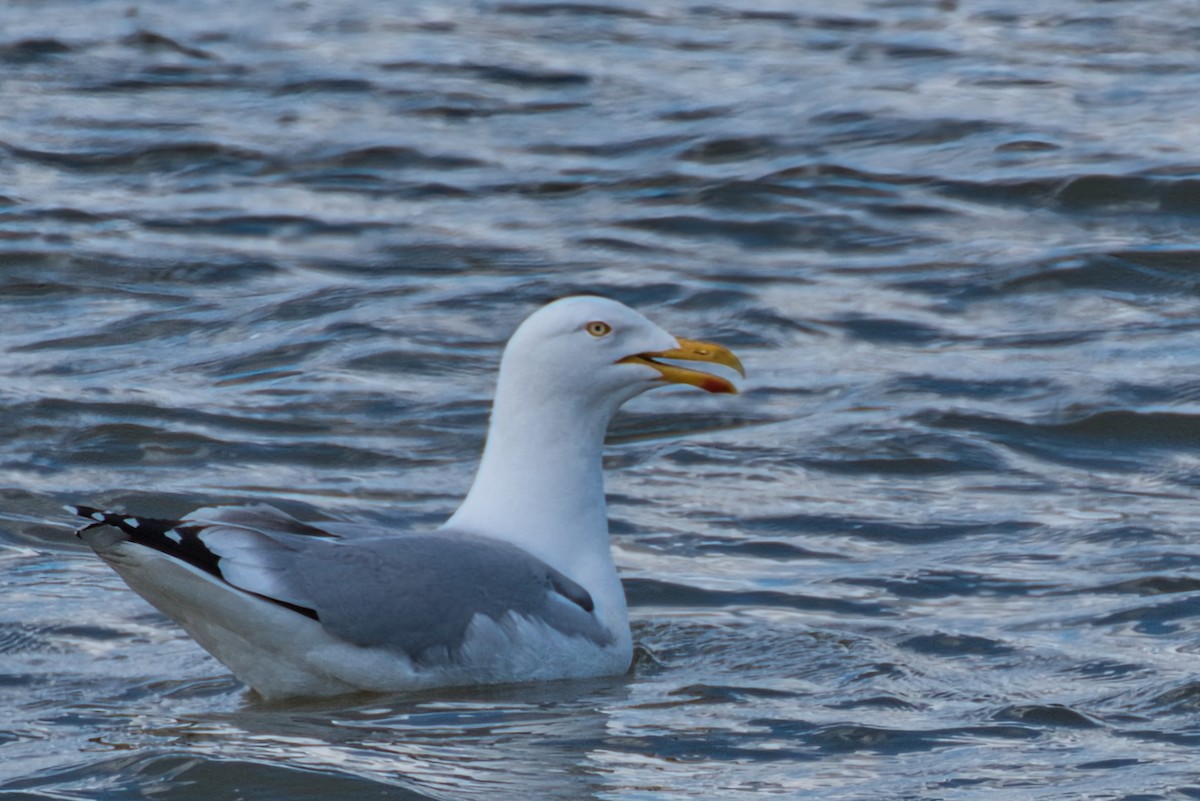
x=130 y=525
x=81 y=511
x=96 y=516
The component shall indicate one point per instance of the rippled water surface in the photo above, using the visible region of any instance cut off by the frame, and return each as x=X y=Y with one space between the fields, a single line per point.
x=942 y=546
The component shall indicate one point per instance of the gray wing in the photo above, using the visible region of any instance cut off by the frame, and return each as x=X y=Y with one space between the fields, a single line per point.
x=415 y=593
x=419 y=593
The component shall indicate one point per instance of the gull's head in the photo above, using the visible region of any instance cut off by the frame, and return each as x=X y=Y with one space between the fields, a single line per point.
x=597 y=351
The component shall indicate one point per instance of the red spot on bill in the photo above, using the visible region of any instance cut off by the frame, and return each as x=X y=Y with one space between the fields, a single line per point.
x=717 y=384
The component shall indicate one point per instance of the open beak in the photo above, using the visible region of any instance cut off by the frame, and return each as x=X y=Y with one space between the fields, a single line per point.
x=690 y=350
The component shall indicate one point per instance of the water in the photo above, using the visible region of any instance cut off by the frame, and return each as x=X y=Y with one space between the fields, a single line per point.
x=940 y=548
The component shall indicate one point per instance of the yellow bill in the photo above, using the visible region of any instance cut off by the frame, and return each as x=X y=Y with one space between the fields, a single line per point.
x=690 y=350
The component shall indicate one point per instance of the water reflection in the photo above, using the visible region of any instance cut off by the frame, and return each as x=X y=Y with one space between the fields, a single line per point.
x=940 y=547
x=485 y=744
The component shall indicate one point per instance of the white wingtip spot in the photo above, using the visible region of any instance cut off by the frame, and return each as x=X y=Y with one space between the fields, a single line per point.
x=72 y=509
x=132 y=522
x=174 y=536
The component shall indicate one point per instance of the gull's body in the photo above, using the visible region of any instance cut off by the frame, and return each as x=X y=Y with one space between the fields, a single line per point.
x=518 y=585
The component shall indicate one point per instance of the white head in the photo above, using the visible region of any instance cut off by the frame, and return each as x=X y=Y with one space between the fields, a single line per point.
x=601 y=353
x=565 y=372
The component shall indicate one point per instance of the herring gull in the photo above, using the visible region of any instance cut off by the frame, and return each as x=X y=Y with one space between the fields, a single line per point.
x=518 y=585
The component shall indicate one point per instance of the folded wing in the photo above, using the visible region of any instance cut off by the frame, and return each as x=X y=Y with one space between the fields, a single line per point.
x=415 y=594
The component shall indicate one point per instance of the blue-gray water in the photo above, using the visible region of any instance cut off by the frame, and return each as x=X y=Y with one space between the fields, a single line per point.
x=942 y=547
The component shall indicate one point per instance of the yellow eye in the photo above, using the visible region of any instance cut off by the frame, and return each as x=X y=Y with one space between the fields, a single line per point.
x=598 y=328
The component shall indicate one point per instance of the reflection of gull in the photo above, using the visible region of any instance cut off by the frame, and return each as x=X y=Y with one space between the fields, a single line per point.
x=518 y=585
x=542 y=741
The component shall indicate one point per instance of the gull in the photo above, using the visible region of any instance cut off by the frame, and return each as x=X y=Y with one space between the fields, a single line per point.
x=518 y=585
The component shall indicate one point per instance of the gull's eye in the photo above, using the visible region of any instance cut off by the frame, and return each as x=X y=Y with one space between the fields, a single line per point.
x=598 y=328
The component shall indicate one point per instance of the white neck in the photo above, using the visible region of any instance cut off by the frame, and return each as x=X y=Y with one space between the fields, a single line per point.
x=540 y=485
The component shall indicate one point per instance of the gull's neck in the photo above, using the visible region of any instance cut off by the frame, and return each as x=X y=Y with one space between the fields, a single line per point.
x=540 y=485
